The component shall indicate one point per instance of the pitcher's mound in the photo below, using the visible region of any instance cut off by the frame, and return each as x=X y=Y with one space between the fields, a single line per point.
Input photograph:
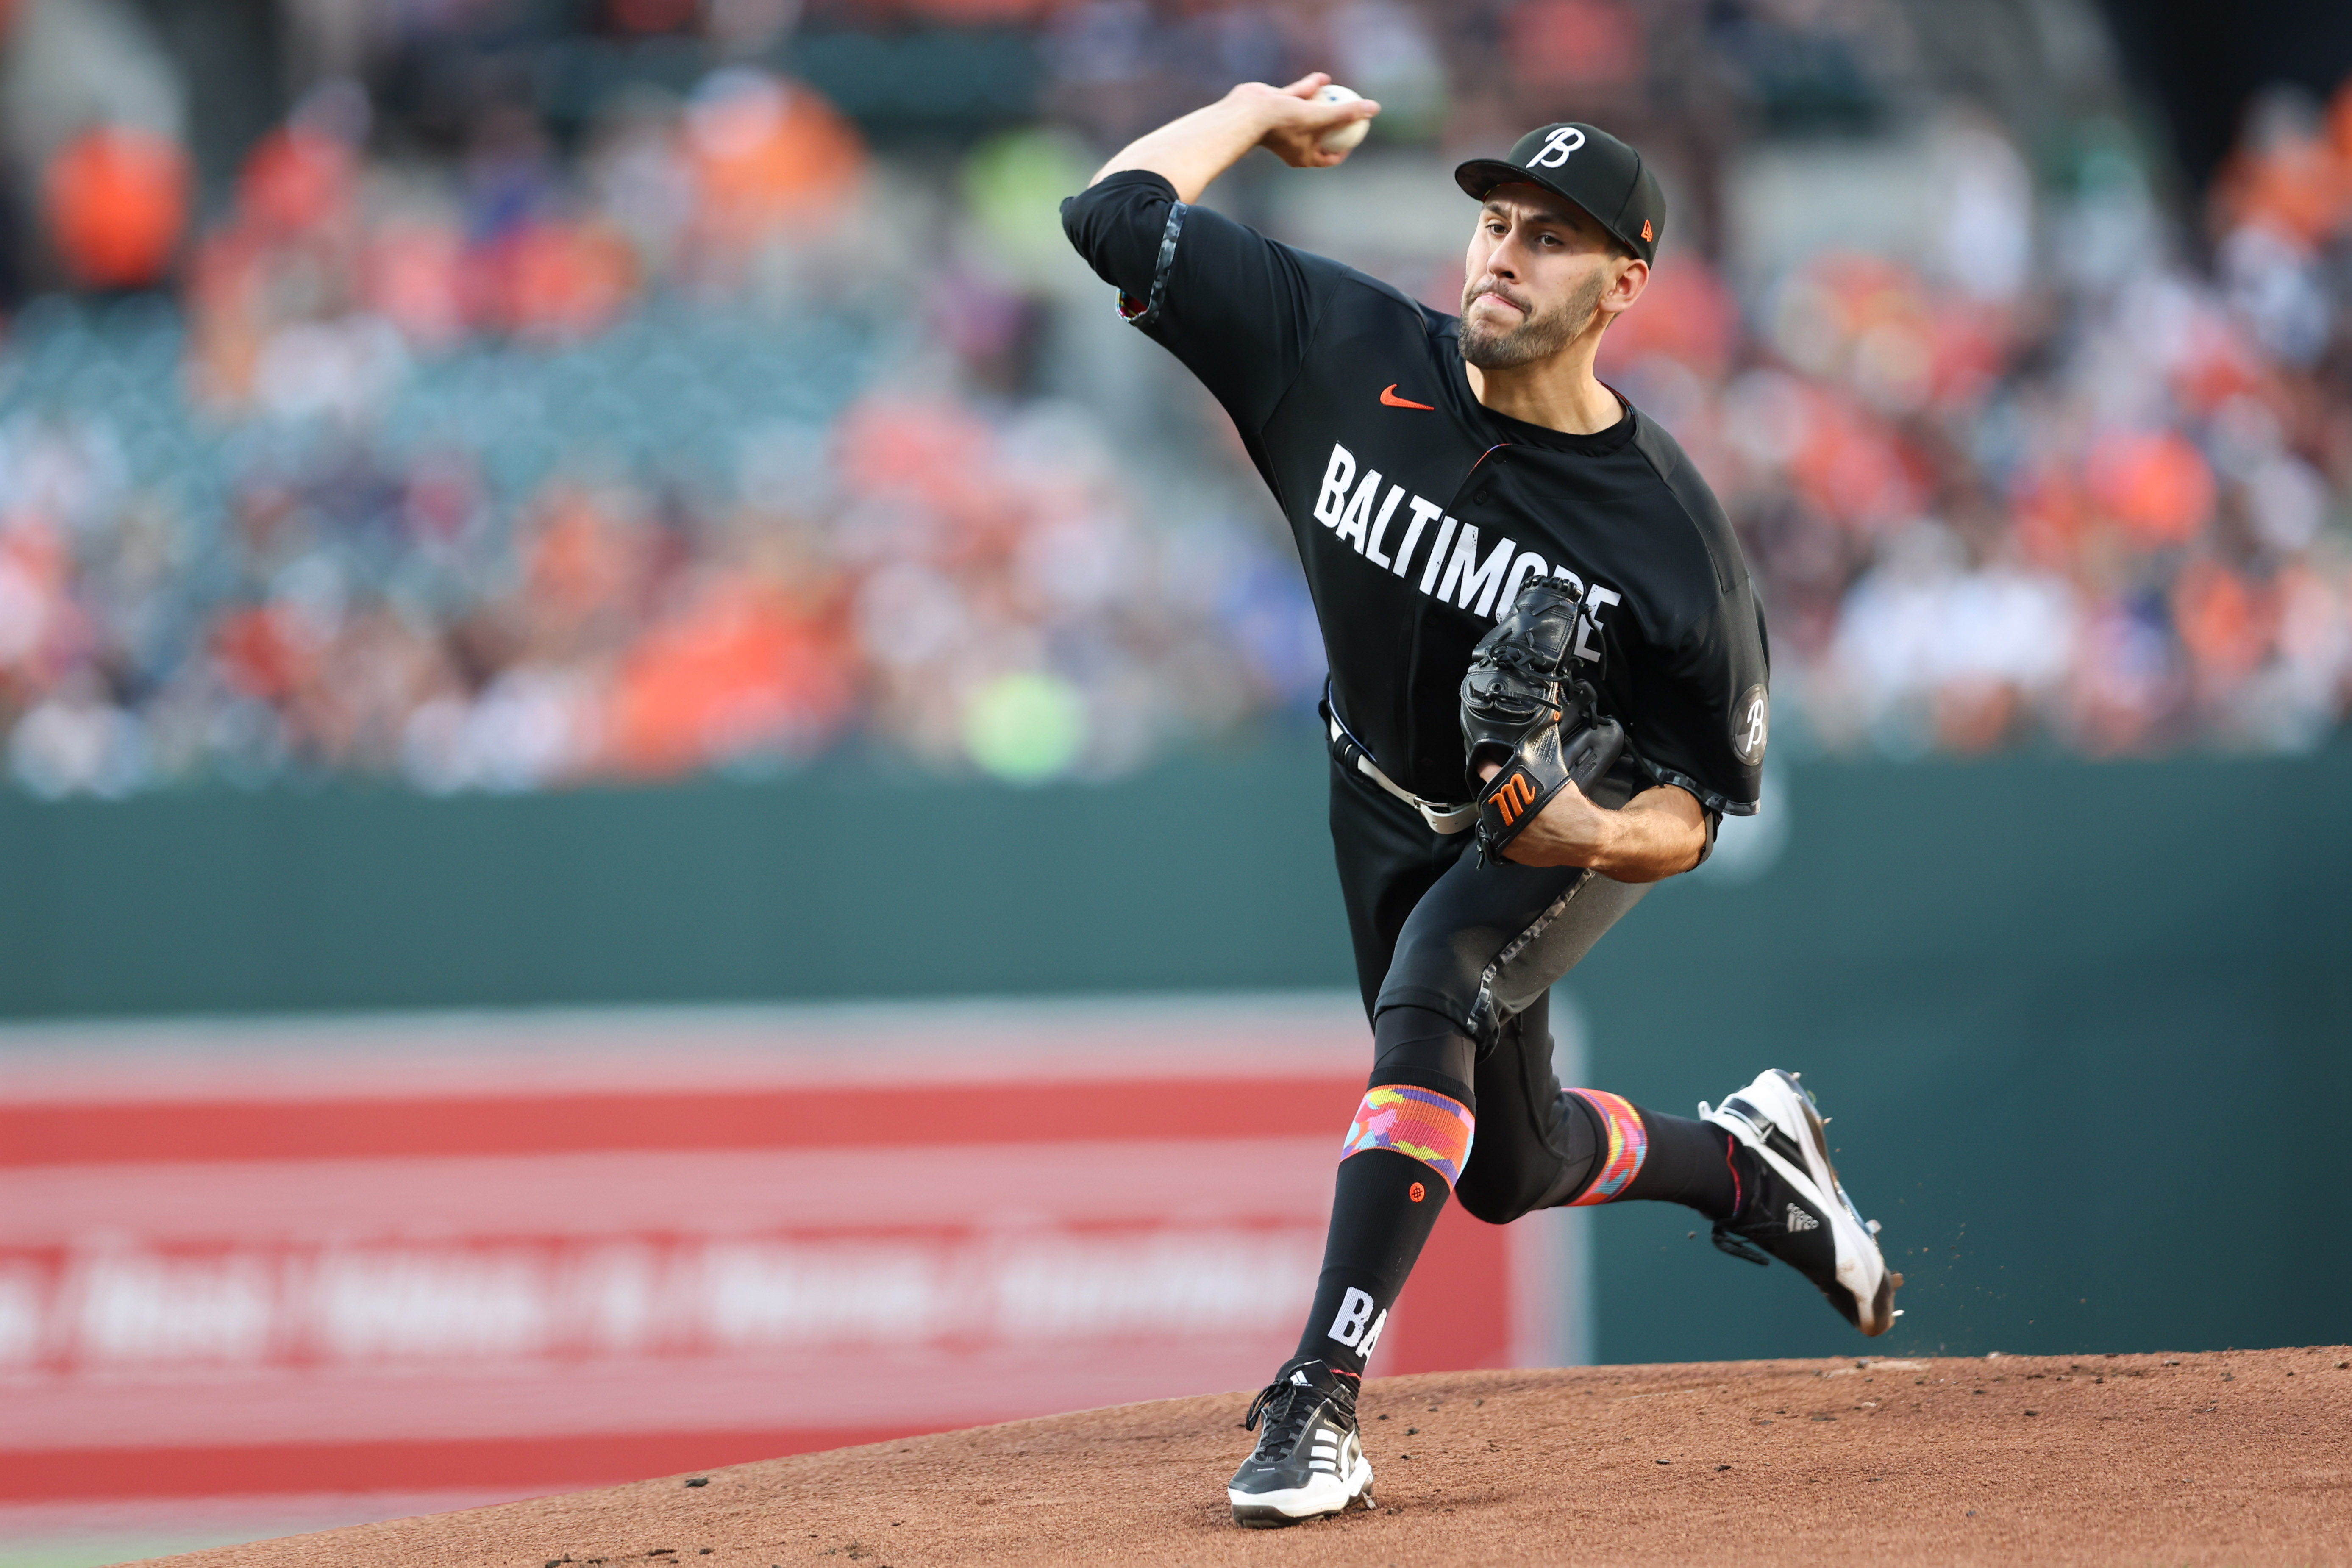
x=2238 y=1458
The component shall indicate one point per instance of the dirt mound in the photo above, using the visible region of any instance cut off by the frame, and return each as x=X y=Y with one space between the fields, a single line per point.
x=2240 y=1457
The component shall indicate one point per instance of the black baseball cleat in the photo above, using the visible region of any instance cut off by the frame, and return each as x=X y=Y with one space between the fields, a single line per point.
x=1792 y=1206
x=1310 y=1459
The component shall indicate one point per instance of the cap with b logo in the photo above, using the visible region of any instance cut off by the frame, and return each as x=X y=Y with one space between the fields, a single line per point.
x=1591 y=168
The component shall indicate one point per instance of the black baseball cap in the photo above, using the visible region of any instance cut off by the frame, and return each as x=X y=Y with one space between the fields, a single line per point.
x=1591 y=168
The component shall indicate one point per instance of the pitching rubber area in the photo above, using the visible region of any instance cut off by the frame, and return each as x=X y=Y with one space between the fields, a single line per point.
x=2243 y=1458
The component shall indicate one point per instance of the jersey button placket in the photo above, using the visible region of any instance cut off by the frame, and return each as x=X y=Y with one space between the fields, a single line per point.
x=1483 y=473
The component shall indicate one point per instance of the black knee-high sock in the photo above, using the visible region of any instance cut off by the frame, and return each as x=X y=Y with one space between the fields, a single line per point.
x=1682 y=1161
x=1386 y=1201
x=1382 y=1214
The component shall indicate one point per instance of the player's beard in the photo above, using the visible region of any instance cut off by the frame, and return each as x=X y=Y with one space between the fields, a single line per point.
x=1542 y=334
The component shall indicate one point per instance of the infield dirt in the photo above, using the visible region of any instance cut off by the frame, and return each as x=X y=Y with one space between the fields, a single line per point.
x=2242 y=1457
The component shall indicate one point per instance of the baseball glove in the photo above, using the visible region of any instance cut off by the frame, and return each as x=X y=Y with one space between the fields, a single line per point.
x=1524 y=710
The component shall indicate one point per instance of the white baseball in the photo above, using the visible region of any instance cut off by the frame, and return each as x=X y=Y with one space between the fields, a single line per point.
x=1347 y=135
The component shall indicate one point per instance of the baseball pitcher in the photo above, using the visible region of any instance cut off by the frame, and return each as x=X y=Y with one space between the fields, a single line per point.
x=1549 y=684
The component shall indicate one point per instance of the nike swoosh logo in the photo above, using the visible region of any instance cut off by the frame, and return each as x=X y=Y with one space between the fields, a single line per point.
x=1390 y=399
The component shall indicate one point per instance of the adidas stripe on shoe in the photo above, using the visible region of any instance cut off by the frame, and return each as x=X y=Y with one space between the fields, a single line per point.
x=1794 y=1209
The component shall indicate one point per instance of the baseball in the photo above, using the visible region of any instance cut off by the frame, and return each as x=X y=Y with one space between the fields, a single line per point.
x=1347 y=135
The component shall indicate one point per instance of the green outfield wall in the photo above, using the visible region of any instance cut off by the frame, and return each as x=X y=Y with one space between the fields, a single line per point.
x=2086 y=1030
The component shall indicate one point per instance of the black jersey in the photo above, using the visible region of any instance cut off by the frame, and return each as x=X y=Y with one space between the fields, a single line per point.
x=1419 y=512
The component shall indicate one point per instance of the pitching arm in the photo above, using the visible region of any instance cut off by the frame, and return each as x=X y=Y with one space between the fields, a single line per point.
x=1191 y=151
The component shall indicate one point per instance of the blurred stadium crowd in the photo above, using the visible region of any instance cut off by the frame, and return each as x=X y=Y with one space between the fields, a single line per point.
x=2076 y=491
x=643 y=406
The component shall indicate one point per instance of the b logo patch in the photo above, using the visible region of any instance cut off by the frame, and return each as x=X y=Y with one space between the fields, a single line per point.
x=1557 y=147
x=1752 y=721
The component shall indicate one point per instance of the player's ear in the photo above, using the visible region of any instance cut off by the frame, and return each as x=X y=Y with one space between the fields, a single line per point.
x=1633 y=277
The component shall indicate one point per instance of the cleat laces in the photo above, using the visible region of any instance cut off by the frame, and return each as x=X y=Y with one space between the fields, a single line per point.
x=1728 y=1236
x=1729 y=1240
x=1287 y=1405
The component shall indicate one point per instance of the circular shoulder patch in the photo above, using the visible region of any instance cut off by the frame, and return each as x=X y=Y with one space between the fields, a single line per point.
x=1751 y=717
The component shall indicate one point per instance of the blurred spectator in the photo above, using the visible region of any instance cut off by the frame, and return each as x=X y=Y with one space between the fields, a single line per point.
x=115 y=198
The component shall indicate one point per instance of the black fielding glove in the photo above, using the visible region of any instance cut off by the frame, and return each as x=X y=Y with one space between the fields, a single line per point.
x=1522 y=710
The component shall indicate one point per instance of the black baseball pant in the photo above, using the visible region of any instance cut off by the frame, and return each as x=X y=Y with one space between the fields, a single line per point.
x=1457 y=961
x=1479 y=947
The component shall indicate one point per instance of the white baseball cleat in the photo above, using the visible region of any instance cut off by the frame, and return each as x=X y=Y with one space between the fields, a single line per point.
x=1310 y=1459
x=1792 y=1206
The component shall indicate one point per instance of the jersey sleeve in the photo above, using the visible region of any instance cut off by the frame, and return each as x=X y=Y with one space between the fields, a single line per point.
x=1238 y=309
x=1704 y=724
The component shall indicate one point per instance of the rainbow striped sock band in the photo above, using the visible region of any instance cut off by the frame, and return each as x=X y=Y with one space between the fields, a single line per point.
x=1629 y=1142
x=1419 y=1122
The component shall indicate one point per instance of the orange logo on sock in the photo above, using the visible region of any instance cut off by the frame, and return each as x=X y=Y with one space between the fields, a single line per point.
x=1416 y=1192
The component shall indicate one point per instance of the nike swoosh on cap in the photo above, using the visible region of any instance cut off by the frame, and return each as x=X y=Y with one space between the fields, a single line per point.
x=1392 y=400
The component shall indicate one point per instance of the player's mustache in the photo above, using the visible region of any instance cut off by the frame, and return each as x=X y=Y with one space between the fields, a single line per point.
x=1495 y=286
